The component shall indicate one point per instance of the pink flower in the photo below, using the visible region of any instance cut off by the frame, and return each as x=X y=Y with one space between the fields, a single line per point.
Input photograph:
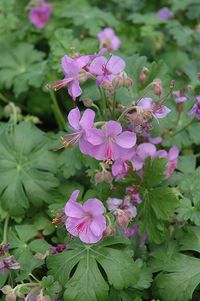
x=72 y=69
x=87 y=220
x=39 y=15
x=157 y=110
x=120 y=168
x=195 y=111
x=180 y=96
x=143 y=151
x=79 y=125
x=108 y=39
x=106 y=69
x=164 y=13
x=172 y=159
x=111 y=143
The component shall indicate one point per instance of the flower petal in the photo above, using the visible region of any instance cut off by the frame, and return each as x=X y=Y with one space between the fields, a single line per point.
x=173 y=153
x=69 y=66
x=95 y=136
x=74 y=89
x=94 y=207
x=96 y=67
x=146 y=103
x=87 y=120
x=74 y=118
x=98 y=225
x=112 y=128
x=88 y=237
x=126 y=139
x=115 y=64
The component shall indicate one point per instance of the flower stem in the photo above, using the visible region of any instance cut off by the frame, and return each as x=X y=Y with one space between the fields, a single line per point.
x=5 y=229
x=58 y=115
x=114 y=104
x=183 y=128
x=125 y=111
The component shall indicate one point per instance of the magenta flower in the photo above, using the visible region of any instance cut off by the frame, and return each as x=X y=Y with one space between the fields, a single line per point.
x=133 y=194
x=172 y=159
x=72 y=69
x=165 y=14
x=157 y=110
x=87 y=220
x=106 y=69
x=120 y=168
x=39 y=15
x=195 y=111
x=111 y=143
x=8 y=264
x=108 y=39
x=180 y=97
x=143 y=151
x=79 y=125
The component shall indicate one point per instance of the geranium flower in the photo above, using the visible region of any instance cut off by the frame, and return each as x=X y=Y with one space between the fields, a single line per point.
x=72 y=69
x=120 y=168
x=86 y=221
x=172 y=159
x=79 y=125
x=106 y=69
x=165 y=14
x=108 y=39
x=195 y=111
x=39 y=15
x=142 y=151
x=8 y=264
x=180 y=96
x=111 y=143
x=157 y=110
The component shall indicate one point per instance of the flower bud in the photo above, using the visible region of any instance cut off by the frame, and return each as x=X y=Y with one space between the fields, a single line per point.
x=110 y=230
x=123 y=218
x=107 y=86
x=87 y=102
x=117 y=82
x=10 y=297
x=158 y=90
x=6 y=289
x=128 y=82
x=142 y=77
x=82 y=76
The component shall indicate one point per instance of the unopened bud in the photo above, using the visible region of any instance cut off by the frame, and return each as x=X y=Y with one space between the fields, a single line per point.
x=43 y=298
x=128 y=82
x=117 y=82
x=82 y=76
x=87 y=102
x=158 y=90
x=142 y=77
x=6 y=289
x=172 y=84
x=110 y=230
x=123 y=219
x=10 y=297
x=107 y=86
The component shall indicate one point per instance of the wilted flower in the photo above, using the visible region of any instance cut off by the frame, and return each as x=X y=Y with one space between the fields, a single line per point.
x=164 y=13
x=87 y=220
x=79 y=125
x=157 y=110
x=108 y=39
x=195 y=111
x=111 y=143
x=180 y=97
x=106 y=69
x=133 y=193
x=120 y=168
x=117 y=205
x=8 y=264
x=39 y=15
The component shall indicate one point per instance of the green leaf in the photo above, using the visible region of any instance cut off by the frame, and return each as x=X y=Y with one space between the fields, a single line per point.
x=27 y=169
x=191 y=239
x=92 y=264
x=70 y=161
x=154 y=172
x=188 y=211
x=156 y=208
x=21 y=68
x=181 y=277
x=52 y=287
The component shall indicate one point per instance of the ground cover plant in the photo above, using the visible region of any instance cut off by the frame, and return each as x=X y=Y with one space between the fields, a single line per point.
x=99 y=151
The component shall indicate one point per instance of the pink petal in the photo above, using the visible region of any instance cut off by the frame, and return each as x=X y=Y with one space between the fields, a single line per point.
x=161 y=154
x=88 y=237
x=146 y=103
x=82 y=61
x=145 y=150
x=115 y=43
x=96 y=67
x=74 y=118
x=162 y=114
x=94 y=207
x=87 y=120
x=95 y=136
x=98 y=225
x=99 y=151
x=73 y=209
x=126 y=139
x=74 y=89
x=115 y=64
x=173 y=153
x=113 y=128
x=71 y=225
x=69 y=67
